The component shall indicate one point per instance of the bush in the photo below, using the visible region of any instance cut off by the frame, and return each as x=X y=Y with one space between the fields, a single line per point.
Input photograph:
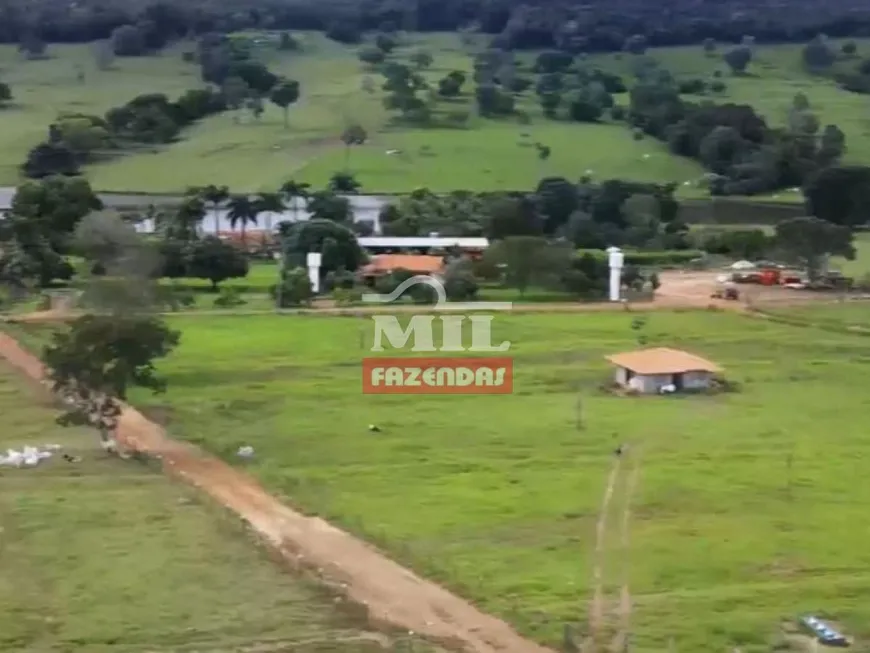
x=346 y=296
x=294 y=290
x=617 y=112
x=692 y=86
x=229 y=298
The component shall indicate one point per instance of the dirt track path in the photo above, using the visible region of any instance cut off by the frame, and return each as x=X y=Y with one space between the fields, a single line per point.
x=620 y=641
x=394 y=596
x=661 y=303
x=597 y=604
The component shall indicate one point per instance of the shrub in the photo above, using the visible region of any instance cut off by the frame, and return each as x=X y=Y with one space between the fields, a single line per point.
x=692 y=86
x=229 y=298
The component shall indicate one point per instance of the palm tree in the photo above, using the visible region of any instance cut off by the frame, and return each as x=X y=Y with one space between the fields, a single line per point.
x=242 y=210
x=293 y=191
x=215 y=196
x=344 y=182
x=184 y=223
x=269 y=203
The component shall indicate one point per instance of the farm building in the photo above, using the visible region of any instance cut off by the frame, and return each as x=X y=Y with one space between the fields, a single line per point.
x=660 y=369
x=472 y=247
x=385 y=263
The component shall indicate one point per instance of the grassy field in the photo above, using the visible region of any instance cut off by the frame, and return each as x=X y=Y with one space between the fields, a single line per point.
x=108 y=556
x=257 y=155
x=848 y=315
x=775 y=76
x=498 y=497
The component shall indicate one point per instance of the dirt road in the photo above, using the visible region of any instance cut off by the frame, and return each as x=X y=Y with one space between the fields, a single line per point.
x=678 y=290
x=395 y=597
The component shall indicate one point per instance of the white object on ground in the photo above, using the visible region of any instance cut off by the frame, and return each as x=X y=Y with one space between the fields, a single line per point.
x=245 y=452
x=26 y=457
x=314 y=260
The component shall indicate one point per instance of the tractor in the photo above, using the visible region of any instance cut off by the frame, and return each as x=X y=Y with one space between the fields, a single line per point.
x=727 y=291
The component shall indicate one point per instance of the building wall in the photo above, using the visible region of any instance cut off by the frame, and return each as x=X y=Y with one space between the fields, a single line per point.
x=621 y=376
x=653 y=383
x=697 y=380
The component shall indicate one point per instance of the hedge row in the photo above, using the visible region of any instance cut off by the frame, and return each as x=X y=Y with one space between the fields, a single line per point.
x=666 y=257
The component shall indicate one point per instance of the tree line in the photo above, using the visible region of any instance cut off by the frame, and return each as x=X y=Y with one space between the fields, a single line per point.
x=573 y=26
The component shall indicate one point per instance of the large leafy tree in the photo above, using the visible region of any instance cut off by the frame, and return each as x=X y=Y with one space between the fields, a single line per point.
x=38 y=230
x=528 y=260
x=94 y=364
x=334 y=241
x=216 y=260
x=55 y=206
x=809 y=241
x=840 y=194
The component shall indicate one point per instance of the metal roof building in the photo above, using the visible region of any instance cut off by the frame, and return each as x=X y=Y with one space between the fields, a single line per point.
x=379 y=242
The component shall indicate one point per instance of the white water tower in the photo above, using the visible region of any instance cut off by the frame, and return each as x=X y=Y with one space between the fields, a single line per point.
x=313 y=260
x=615 y=259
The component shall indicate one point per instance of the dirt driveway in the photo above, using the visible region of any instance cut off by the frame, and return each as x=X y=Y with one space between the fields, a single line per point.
x=395 y=597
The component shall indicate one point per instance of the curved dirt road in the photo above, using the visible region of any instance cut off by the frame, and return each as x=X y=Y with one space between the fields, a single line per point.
x=394 y=596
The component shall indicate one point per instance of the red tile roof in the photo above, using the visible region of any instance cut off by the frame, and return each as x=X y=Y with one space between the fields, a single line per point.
x=420 y=264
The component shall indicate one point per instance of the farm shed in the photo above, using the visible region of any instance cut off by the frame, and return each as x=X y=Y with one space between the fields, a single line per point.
x=651 y=371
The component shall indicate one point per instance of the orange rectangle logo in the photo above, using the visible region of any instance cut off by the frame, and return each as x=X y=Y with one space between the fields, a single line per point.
x=444 y=375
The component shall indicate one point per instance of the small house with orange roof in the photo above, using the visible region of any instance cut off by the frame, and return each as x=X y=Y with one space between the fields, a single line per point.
x=383 y=264
x=661 y=369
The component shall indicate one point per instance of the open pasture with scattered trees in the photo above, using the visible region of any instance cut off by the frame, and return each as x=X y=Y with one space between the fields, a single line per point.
x=500 y=497
x=441 y=111
x=588 y=519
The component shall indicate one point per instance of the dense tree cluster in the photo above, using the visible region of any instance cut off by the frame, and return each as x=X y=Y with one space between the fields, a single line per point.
x=570 y=26
x=77 y=139
x=588 y=215
x=744 y=155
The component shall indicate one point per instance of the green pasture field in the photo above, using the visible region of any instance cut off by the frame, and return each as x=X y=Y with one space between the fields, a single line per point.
x=258 y=155
x=836 y=315
x=747 y=509
x=103 y=555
